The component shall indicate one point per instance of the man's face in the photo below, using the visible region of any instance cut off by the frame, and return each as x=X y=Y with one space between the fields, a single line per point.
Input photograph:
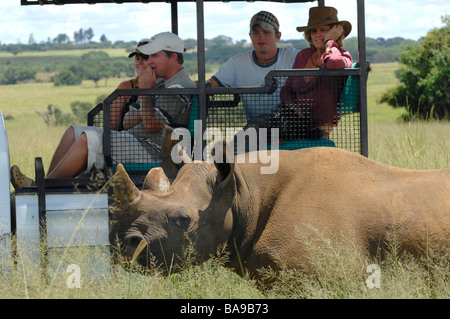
x=160 y=63
x=263 y=41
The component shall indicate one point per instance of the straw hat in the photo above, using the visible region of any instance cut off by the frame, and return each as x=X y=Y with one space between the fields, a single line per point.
x=319 y=16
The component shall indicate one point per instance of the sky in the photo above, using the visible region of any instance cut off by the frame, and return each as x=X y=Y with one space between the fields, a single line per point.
x=409 y=19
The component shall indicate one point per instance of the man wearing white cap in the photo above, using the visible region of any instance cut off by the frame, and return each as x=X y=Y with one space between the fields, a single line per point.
x=250 y=68
x=163 y=59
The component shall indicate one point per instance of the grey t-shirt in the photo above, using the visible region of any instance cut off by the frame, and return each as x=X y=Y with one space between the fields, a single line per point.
x=176 y=106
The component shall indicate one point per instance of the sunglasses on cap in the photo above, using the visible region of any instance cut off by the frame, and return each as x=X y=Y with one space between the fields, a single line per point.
x=144 y=56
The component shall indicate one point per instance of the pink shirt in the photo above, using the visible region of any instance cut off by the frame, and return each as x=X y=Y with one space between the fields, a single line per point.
x=321 y=93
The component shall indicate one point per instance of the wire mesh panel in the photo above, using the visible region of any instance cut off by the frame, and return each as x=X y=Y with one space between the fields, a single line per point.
x=296 y=109
x=95 y=116
x=292 y=112
x=136 y=125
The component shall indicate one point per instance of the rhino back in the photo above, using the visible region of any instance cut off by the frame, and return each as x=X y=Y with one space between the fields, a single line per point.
x=337 y=191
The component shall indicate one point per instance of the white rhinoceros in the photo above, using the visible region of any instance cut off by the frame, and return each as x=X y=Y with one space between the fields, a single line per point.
x=261 y=216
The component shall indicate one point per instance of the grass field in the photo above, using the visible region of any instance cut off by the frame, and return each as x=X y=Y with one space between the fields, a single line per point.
x=341 y=273
x=67 y=53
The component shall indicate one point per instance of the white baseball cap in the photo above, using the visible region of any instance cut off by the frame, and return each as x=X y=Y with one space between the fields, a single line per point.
x=165 y=41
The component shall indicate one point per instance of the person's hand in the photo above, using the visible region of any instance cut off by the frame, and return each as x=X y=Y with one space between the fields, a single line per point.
x=334 y=33
x=293 y=106
x=147 y=78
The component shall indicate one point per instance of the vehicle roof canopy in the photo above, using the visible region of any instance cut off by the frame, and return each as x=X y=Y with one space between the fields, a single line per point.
x=61 y=2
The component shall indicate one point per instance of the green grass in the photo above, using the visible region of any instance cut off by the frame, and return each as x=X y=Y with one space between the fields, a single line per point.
x=417 y=145
x=28 y=135
x=335 y=270
x=339 y=271
x=381 y=78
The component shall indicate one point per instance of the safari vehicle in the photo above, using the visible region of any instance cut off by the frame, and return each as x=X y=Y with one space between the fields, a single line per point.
x=75 y=212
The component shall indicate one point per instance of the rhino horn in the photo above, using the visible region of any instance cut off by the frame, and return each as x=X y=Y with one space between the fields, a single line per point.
x=156 y=181
x=124 y=189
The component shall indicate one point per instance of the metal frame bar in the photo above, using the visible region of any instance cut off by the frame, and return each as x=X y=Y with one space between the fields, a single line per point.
x=364 y=67
x=42 y=208
x=63 y=2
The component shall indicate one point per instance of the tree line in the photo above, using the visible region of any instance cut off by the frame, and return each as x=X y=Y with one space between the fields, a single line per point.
x=97 y=65
x=379 y=50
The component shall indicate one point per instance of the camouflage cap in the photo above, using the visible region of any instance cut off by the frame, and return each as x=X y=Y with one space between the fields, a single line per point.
x=266 y=20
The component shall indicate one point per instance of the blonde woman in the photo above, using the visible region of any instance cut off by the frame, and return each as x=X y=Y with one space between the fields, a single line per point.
x=319 y=95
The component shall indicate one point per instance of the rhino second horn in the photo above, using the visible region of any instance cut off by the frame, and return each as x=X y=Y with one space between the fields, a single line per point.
x=124 y=189
x=156 y=181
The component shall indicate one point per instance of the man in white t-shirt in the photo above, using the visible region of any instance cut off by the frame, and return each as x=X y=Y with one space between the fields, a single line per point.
x=250 y=68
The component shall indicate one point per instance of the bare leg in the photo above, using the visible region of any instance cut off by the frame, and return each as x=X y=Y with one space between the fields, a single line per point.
x=73 y=162
x=66 y=142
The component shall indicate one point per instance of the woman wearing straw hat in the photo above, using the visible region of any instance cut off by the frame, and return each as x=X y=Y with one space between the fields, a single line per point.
x=319 y=95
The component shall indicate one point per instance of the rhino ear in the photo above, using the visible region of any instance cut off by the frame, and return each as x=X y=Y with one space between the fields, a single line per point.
x=169 y=146
x=124 y=189
x=224 y=160
x=156 y=181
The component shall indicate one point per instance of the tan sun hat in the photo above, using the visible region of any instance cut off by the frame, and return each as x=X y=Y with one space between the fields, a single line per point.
x=319 y=16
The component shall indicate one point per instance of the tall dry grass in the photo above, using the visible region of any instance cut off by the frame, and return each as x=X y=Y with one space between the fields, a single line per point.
x=335 y=270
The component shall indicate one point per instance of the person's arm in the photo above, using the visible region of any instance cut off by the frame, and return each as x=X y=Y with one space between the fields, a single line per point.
x=213 y=83
x=147 y=81
x=287 y=94
x=117 y=107
x=132 y=118
x=335 y=57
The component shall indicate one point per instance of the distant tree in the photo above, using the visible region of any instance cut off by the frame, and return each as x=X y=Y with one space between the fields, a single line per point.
x=61 y=38
x=15 y=49
x=190 y=44
x=381 y=41
x=54 y=116
x=88 y=35
x=122 y=67
x=66 y=77
x=13 y=75
x=79 y=110
x=424 y=76
x=96 y=66
x=219 y=53
x=393 y=41
x=220 y=39
x=78 y=36
x=103 y=38
x=31 y=39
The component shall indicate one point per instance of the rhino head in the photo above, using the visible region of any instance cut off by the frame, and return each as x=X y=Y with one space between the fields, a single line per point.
x=154 y=225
